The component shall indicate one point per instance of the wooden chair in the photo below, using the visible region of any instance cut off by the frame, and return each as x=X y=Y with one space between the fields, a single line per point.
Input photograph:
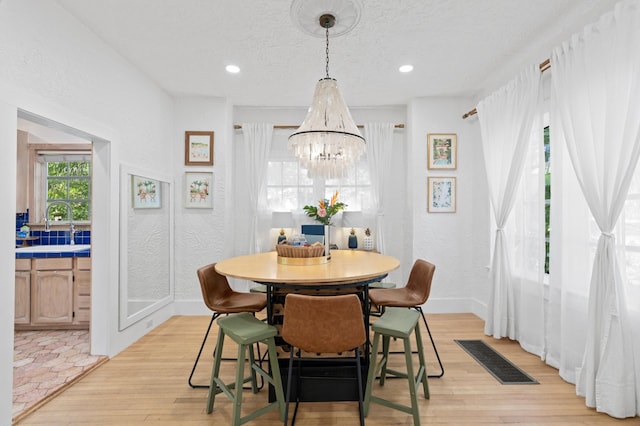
x=319 y=325
x=413 y=295
x=246 y=330
x=397 y=323
x=222 y=299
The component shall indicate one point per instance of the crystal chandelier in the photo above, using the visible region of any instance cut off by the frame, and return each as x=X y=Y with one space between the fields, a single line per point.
x=328 y=142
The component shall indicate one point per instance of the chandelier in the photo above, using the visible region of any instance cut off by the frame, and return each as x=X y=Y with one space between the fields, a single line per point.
x=328 y=142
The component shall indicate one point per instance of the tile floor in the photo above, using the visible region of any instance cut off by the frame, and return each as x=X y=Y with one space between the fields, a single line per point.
x=46 y=361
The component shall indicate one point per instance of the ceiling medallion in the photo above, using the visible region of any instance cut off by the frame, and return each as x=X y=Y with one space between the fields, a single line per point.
x=305 y=14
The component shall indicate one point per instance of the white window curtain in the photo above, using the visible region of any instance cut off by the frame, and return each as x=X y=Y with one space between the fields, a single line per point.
x=258 y=137
x=379 y=138
x=596 y=109
x=506 y=122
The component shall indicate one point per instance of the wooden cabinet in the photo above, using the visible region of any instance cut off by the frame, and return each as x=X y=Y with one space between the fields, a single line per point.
x=53 y=293
x=82 y=290
x=22 y=312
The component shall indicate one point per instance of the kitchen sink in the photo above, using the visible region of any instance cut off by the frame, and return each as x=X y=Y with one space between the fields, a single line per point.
x=54 y=248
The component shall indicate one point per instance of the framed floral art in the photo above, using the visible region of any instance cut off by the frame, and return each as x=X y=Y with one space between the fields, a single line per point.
x=198 y=148
x=145 y=193
x=197 y=190
x=441 y=196
x=442 y=151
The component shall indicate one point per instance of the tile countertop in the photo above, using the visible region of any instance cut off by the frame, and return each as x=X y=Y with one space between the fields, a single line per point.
x=52 y=251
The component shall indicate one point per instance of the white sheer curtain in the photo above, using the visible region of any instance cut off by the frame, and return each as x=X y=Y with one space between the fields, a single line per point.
x=596 y=108
x=258 y=137
x=379 y=137
x=506 y=120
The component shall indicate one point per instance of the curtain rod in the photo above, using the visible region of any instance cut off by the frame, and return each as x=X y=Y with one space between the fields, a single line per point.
x=545 y=65
x=239 y=126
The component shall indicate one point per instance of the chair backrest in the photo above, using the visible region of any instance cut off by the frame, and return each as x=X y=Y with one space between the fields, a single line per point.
x=420 y=278
x=215 y=287
x=318 y=324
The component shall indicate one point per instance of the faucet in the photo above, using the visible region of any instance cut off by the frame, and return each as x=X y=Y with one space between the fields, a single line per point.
x=72 y=228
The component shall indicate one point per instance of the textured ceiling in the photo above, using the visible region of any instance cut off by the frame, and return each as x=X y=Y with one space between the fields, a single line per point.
x=457 y=47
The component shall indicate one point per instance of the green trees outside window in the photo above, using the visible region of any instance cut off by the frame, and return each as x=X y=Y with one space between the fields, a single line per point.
x=69 y=181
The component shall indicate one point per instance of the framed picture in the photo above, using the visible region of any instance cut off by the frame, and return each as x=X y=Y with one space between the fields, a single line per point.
x=145 y=193
x=442 y=151
x=198 y=148
x=197 y=190
x=441 y=195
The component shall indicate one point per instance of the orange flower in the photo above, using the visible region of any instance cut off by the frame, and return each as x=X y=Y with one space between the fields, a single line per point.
x=334 y=199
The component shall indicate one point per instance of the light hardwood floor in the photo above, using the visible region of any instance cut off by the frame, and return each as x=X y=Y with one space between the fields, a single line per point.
x=147 y=384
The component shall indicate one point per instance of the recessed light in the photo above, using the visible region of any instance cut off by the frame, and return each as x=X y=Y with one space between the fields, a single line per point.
x=406 y=68
x=233 y=69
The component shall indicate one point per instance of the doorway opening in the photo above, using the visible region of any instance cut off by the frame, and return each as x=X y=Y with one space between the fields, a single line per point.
x=51 y=172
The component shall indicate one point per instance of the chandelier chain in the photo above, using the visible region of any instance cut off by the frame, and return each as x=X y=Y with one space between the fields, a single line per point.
x=327 y=50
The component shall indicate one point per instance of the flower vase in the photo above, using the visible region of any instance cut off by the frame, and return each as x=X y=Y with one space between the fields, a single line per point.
x=327 y=243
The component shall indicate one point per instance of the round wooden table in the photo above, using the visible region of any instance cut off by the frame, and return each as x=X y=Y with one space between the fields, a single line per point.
x=348 y=270
x=345 y=267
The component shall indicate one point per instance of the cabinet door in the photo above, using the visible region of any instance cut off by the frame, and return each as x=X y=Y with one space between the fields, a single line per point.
x=52 y=297
x=23 y=298
x=82 y=297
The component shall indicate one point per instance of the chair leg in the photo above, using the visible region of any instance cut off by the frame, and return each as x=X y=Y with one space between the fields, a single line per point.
x=254 y=379
x=276 y=377
x=360 y=397
x=213 y=317
x=411 y=380
x=385 y=355
x=371 y=375
x=215 y=373
x=288 y=398
x=237 y=400
x=433 y=343
x=423 y=364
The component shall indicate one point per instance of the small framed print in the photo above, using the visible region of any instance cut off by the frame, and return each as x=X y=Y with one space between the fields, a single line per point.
x=441 y=195
x=198 y=148
x=145 y=193
x=197 y=190
x=442 y=150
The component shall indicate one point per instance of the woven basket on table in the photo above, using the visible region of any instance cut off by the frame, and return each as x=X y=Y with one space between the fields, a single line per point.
x=314 y=250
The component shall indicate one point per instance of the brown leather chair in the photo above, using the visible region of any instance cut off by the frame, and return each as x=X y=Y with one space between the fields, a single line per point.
x=323 y=324
x=413 y=295
x=222 y=299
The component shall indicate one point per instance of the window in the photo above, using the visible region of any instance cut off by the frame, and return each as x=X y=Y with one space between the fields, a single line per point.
x=355 y=188
x=547 y=197
x=629 y=230
x=67 y=180
x=289 y=189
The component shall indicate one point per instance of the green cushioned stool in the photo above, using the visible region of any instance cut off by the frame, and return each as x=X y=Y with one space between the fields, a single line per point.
x=245 y=330
x=397 y=323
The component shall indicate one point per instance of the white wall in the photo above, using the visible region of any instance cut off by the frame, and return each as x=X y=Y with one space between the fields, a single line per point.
x=54 y=67
x=457 y=243
x=8 y=120
x=201 y=234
